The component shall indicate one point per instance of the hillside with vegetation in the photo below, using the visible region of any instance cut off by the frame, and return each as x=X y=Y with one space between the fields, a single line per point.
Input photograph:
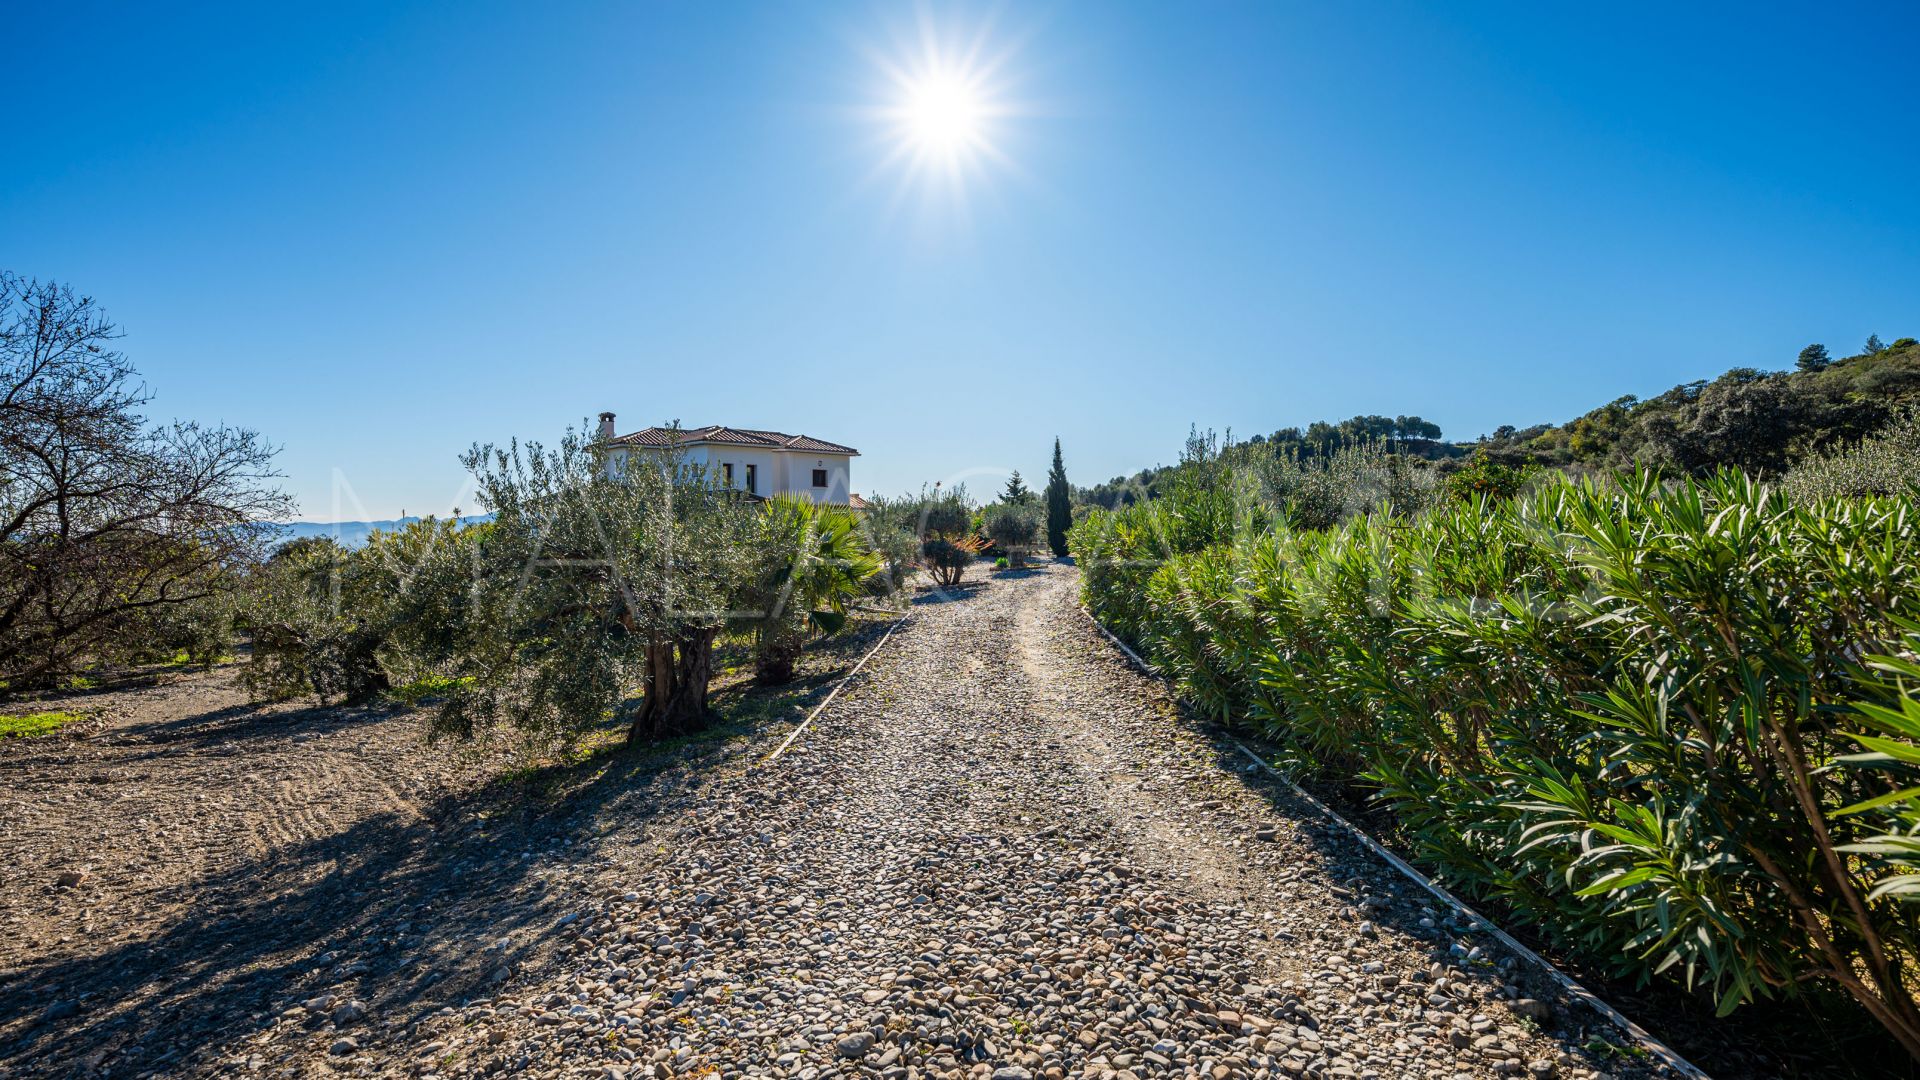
x=1758 y=421
x=1762 y=422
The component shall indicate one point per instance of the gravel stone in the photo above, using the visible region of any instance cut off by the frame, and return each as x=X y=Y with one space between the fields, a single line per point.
x=855 y=1045
x=1536 y=1011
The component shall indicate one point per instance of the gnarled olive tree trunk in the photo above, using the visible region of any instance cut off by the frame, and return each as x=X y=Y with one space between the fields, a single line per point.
x=674 y=697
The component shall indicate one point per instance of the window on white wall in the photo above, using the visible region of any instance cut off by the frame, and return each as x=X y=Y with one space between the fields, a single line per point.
x=753 y=479
x=819 y=478
x=728 y=470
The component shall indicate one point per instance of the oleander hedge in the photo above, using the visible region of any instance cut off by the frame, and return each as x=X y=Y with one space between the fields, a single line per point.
x=1674 y=726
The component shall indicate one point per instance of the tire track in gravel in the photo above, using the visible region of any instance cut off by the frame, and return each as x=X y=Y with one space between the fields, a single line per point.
x=943 y=879
x=1060 y=671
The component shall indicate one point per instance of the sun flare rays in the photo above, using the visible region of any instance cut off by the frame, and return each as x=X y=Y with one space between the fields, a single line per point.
x=945 y=111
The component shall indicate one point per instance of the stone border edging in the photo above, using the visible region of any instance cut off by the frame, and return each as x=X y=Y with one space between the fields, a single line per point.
x=1566 y=982
x=837 y=687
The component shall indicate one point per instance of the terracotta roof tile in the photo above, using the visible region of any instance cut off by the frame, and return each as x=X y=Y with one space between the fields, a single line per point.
x=717 y=433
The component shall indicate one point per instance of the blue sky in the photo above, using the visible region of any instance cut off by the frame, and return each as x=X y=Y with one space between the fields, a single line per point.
x=380 y=233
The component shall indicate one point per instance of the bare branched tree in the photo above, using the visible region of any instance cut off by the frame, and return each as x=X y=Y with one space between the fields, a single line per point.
x=105 y=518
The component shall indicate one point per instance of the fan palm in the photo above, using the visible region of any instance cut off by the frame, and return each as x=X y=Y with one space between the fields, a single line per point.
x=813 y=561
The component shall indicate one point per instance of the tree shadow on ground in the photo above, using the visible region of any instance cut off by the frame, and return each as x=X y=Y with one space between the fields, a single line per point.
x=946 y=594
x=252 y=720
x=404 y=912
x=262 y=935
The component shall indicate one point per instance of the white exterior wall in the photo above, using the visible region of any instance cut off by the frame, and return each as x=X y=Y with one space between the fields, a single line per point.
x=799 y=478
x=779 y=472
x=768 y=466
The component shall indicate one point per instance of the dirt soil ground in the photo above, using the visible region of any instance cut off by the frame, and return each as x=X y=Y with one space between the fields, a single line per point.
x=176 y=866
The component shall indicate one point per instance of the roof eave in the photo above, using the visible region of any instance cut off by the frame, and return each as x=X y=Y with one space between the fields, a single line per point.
x=627 y=440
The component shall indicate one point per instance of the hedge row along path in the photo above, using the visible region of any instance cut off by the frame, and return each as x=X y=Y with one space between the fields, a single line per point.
x=1001 y=853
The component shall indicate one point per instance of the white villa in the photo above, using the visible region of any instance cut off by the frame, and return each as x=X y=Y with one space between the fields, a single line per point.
x=762 y=463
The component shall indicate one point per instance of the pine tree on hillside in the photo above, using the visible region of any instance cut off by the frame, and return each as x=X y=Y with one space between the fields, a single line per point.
x=1016 y=493
x=1059 y=504
x=1813 y=358
x=1874 y=345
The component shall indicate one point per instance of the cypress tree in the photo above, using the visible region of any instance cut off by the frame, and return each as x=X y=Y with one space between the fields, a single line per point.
x=1059 y=504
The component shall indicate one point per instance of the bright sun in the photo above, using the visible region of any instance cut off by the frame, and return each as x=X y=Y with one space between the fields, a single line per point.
x=948 y=102
x=943 y=115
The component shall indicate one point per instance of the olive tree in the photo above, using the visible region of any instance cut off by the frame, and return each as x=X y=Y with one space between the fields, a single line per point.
x=1013 y=528
x=887 y=527
x=588 y=582
x=350 y=624
x=943 y=520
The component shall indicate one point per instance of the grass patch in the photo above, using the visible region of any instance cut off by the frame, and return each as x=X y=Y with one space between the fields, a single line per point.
x=427 y=688
x=40 y=723
x=181 y=658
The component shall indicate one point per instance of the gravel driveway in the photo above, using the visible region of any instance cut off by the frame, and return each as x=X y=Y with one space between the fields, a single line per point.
x=1002 y=853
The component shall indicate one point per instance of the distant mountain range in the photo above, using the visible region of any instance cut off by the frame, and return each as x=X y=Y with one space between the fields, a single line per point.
x=352 y=533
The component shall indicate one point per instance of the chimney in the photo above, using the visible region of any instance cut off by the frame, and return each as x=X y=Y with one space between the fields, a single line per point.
x=606 y=425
